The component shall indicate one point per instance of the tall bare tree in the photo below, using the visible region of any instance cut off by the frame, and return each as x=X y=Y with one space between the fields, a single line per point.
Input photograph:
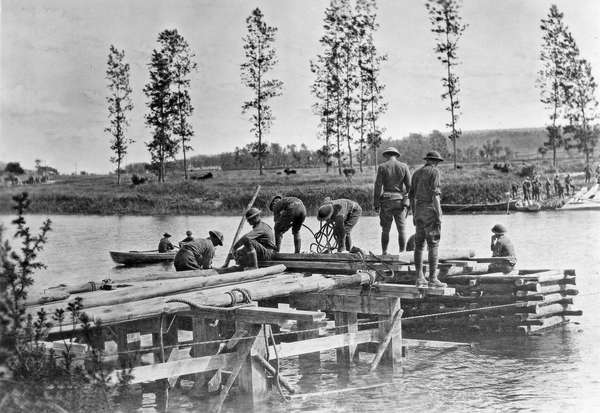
x=447 y=25
x=261 y=57
x=119 y=104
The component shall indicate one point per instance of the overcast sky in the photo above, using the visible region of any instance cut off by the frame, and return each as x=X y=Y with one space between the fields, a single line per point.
x=53 y=90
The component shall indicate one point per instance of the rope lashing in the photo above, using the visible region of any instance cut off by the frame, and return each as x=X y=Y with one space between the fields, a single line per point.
x=246 y=297
x=324 y=238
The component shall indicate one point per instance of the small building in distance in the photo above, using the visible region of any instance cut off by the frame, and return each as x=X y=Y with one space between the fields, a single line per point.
x=205 y=168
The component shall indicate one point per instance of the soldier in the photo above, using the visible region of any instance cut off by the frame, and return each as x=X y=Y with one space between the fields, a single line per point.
x=526 y=189
x=288 y=212
x=425 y=203
x=258 y=244
x=165 y=244
x=344 y=214
x=556 y=184
x=535 y=189
x=198 y=254
x=548 y=186
x=188 y=237
x=588 y=173
x=502 y=247
x=514 y=190
x=569 y=188
x=390 y=197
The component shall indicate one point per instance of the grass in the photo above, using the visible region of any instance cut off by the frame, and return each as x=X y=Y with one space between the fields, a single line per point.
x=229 y=192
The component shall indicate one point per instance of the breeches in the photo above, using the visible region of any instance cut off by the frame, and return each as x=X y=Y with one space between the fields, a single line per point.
x=392 y=210
x=291 y=218
x=428 y=227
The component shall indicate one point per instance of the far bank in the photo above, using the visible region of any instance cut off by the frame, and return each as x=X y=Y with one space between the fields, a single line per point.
x=228 y=192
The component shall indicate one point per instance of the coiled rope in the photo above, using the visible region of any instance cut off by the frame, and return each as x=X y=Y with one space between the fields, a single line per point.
x=325 y=241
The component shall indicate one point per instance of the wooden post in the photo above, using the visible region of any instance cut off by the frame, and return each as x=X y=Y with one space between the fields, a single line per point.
x=346 y=323
x=393 y=352
x=253 y=377
x=202 y=331
x=311 y=361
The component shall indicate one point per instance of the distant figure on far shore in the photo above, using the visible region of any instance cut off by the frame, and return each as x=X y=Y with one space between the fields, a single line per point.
x=165 y=244
x=588 y=173
x=547 y=184
x=569 y=188
x=514 y=190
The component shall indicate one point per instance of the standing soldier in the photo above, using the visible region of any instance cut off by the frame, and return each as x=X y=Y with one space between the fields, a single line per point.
x=390 y=197
x=514 y=190
x=556 y=184
x=344 y=214
x=526 y=189
x=425 y=203
x=535 y=189
x=588 y=173
x=569 y=188
x=288 y=212
x=256 y=245
x=548 y=185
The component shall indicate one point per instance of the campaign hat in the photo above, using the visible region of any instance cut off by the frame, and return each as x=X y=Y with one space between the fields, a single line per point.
x=391 y=150
x=434 y=155
x=217 y=235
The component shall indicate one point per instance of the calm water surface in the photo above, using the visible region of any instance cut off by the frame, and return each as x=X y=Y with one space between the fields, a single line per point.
x=559 y=371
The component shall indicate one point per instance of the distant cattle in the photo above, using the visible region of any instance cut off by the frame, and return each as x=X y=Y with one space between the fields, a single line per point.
x=502 y=167
x=349 y=173
x=202 y=177
x=289 y=171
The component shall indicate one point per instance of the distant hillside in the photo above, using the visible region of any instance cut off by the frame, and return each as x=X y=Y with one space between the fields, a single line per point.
x=522 y=141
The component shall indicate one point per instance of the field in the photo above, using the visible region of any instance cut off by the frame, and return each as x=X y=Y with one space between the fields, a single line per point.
x=229 y=191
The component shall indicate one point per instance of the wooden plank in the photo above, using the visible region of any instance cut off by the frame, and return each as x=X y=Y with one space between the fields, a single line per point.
x=203 y=331
x=259 y=315
x=319 y=344
x=329 y=267
x=391 y=331
x=548 y=323
x=409 y=342
x=309 y=360
x=342 y=300
x=253 y=377
x=394 y=331
x=158 y=371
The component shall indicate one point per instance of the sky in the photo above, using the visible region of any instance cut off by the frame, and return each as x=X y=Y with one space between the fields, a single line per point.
x=53 y=62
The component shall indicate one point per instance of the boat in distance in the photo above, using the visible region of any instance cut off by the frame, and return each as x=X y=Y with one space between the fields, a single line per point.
x=584 y=200
x=141 y=257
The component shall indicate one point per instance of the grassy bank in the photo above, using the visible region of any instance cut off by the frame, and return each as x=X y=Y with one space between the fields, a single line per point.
x=229 y=191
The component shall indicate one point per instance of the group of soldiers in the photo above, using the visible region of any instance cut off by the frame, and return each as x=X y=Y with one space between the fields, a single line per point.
x=532 y=188
x=395 y=193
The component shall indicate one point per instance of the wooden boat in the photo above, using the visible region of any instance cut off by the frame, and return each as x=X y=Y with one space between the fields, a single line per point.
x=528 y=206
x=141 y=257
x=496 y=206
x=584 y=200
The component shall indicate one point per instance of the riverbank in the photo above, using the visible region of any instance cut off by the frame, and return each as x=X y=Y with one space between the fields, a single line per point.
x=228 y=192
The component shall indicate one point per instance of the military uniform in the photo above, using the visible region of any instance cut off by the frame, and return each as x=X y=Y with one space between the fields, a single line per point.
x=424 y=187
x=548 y=185
x=189 y=238
x=503 y=247
x=196 y=254
x=288 y=212
x=345 y=216
x=165 y=245
x=390 y=197
x=262 y=239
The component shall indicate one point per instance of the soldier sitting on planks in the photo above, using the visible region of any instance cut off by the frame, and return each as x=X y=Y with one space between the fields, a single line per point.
x=165 y=244
x=198 y=254
x=344 y=214
x=502 y=247
x=258 y=244
x=390 y=197
x=188 y=237
x=288 y=212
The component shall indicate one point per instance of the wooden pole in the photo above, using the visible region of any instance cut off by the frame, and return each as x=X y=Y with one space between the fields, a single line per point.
x=394 y=328
x=261 y=360
x=240 y=226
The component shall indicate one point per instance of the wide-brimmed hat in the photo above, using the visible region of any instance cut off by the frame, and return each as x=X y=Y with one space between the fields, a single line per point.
x=166 y=235
x=252 y=212
x=188 y=233
x=217 y=235
x=325 y=212
x=392 y=150
x=434 y=155
x=499 y=229
x=275 y=198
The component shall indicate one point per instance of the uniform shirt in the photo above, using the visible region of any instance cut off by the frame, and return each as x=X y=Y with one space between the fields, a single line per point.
x=342 y=208
x=165 y=245
x=263 y=234
x=187 y=239
x=425 y=184
x=503 y=247
x=288 y=203
x=391 y=176
x=202 y=249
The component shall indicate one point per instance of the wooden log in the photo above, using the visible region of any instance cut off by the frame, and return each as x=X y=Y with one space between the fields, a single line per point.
x=282 y=285
x=252 y=378
x=259 y=315
x=572 y=312
x=405 y=257
x=407 y=291
x=240 y=226
x=567 y=280
x=390 y=329
x=547 y=323
x=551 y=309
x=145 y=290
x=46 y=296
x=342 y=300
x=558 y=288
x=324 y=267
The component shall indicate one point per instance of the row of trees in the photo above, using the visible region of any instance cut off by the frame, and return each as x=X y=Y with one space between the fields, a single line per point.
x=347 y=87
x=568 y=90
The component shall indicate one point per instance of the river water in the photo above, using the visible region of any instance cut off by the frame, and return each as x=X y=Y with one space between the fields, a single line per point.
x=557 y=371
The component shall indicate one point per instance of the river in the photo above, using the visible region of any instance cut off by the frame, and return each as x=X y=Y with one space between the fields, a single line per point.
x=559 y=370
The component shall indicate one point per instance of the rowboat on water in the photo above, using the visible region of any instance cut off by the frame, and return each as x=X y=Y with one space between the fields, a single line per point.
x=141 y=257
x=528 y=206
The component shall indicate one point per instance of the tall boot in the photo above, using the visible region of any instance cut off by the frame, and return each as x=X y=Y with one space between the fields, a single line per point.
x=385 y=240
x=297 y=243
x=433 y=263
x=421 y=280
x=348 y=242
x=278 y=237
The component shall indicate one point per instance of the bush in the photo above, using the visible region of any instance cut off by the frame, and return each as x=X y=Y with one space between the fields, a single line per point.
x=138 y=180
x=527 y=170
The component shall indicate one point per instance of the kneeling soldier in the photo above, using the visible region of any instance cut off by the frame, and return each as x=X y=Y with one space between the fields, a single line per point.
x=198 y=254
x=344 y=214
x=288 y=212
x=390 y=197
x=256 y=245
